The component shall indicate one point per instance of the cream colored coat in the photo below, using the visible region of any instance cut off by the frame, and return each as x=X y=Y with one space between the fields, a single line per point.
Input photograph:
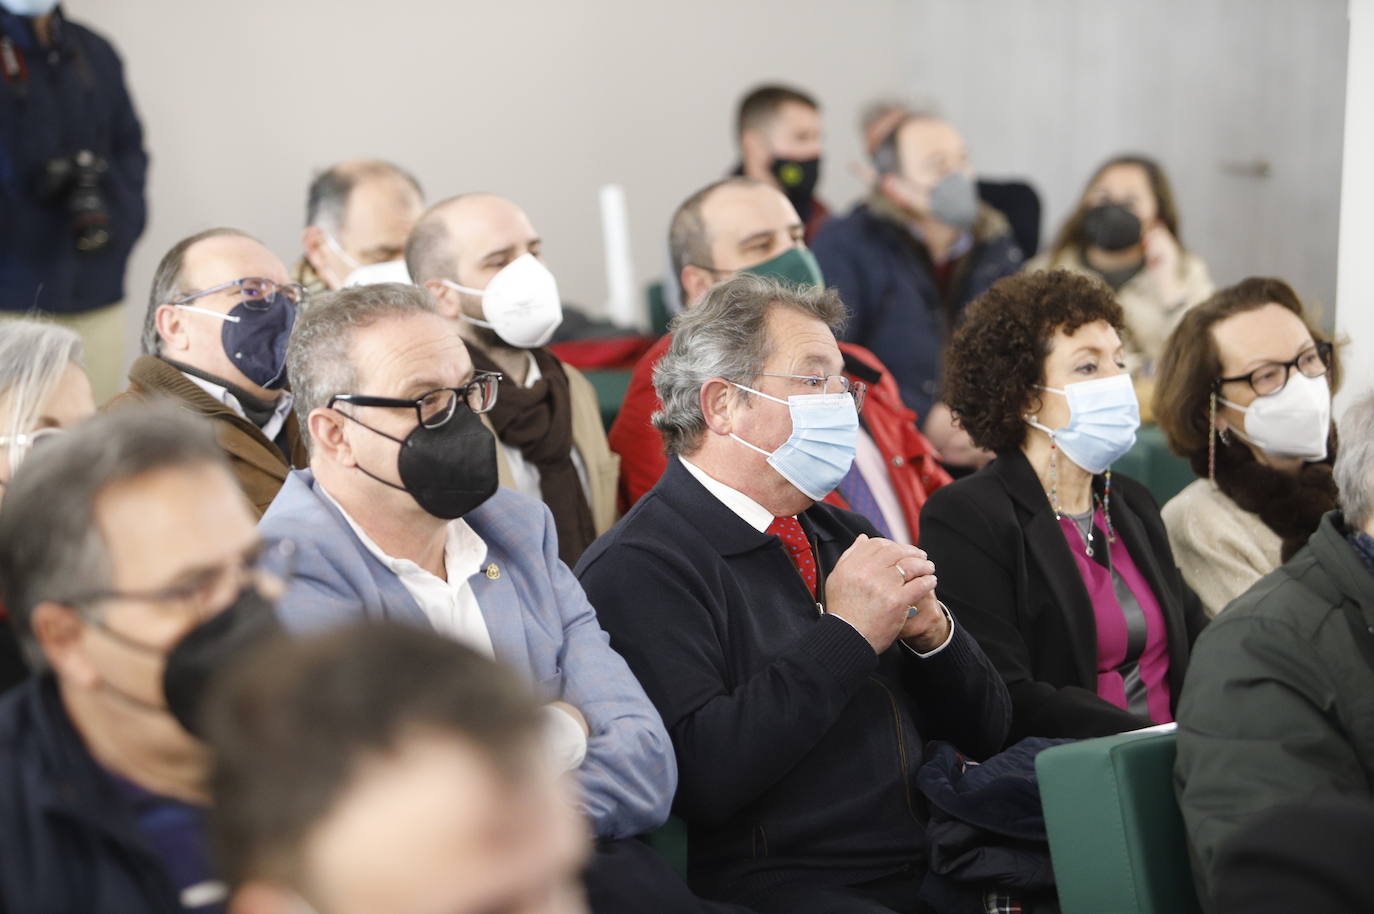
x=1221 y=548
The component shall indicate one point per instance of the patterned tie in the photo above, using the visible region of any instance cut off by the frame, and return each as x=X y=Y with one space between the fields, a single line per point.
x=855 y=490
x=793 y=537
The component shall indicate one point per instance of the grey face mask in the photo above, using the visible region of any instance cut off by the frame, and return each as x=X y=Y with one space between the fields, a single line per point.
x=954 y=201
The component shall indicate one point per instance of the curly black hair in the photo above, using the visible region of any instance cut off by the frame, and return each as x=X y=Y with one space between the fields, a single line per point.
x=996 y=358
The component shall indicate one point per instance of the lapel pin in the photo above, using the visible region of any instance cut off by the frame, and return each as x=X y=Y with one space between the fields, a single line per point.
x=493 y=573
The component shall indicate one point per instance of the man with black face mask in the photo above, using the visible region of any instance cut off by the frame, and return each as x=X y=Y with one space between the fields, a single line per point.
x=214 y=338
x=133 y=573
x=779 y=133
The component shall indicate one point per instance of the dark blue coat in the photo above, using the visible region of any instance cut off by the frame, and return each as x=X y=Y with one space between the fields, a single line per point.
x=69 y=846
x=69 y=97
x=896 y=310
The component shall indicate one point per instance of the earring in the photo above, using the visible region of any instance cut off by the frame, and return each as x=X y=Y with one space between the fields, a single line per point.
x=1212 y=440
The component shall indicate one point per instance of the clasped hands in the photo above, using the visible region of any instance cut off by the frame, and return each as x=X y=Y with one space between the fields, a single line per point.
x=887 y=591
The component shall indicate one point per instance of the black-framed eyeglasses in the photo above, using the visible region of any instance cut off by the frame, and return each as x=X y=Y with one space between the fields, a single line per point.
x=256 y=292
x=1271 y=377
x=436 y=407
x=269 y=566
x=830 y=384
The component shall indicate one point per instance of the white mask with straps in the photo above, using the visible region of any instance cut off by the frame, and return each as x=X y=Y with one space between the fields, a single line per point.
x=1294 y=421
x=520 y=303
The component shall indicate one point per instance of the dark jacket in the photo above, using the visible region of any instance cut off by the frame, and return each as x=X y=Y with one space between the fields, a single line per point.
x=69 y=845
x=797 y=747
x=62 y=100
x=259 y=465
x=1278 y=709
x=1007 y=573
x=896 y=308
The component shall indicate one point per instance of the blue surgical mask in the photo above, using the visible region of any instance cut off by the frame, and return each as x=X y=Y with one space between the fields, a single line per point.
x=254 y=338
x=1103 y=417
x=820 y=450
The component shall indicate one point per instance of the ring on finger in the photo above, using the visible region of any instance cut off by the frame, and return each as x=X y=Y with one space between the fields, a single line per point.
x=912 y=610
x=898 y=566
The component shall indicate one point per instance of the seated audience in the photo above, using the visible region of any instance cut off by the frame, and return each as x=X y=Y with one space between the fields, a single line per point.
x=1279 y=700
x=1060 y=569
x=43 y=390
x=358 y=215
x=400 y=517
x=1244 y=394
x=741 y=225
x=133 y=571
x=1125 y=233
x=778 y=129
x=799 y=660
x=214 y=339
x=379 y=769
x=479 y=258
x=910 y=257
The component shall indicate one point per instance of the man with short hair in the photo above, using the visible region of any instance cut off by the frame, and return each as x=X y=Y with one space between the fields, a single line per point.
x=400 y=517
x=770 y=639
x=910 y=258
x=478 y=256
x=740 y=224
x=429 y=796
x=778 y=129
x=133 y=571
x=357 y=217
x=214 y=339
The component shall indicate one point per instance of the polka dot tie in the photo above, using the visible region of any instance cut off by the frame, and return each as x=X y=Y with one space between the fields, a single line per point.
x=793 y=537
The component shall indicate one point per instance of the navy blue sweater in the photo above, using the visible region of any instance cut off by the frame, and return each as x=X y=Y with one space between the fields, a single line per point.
x=797 y=746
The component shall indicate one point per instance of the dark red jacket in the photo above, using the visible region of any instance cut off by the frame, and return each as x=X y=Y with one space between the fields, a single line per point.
x=912 y=466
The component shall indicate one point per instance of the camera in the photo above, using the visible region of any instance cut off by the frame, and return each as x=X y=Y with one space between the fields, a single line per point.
x=74 y=181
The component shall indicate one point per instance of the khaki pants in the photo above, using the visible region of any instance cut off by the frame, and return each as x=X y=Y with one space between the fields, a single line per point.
x=102 y=335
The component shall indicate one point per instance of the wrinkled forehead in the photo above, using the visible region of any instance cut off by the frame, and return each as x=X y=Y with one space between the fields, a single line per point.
x=224 y=258
x=407 y=355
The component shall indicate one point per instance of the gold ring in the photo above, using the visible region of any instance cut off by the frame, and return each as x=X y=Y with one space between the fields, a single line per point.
x=898 y=566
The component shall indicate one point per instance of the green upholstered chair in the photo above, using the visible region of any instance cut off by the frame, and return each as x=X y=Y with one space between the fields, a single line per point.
x=1116 y=834
x=1154 y=466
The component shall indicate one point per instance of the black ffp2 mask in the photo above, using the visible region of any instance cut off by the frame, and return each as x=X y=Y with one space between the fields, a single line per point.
x=1111 y=227
x=798 y=178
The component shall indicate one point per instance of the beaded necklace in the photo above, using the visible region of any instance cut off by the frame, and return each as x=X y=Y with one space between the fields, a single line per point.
x=1105 y=502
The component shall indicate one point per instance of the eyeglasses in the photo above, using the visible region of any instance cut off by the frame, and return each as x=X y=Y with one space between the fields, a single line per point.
x=269 y=566
x=257 y=292
x=830 y=384
x=31 y=439
x=1271 y=377
x=435 y=408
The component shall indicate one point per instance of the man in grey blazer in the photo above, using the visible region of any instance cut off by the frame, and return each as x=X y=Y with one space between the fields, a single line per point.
x=399 y=517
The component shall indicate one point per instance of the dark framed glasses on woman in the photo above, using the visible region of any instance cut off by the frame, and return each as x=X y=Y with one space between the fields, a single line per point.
x=436 y=407
x=1272 y=377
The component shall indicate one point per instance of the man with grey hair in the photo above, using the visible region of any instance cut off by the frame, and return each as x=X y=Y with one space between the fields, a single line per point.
x=1278 y=707
x=794 y=654
x=214 y=340
x=132 y=570
x=357 y=216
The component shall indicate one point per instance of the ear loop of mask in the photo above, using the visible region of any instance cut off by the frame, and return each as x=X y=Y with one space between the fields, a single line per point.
x=759 y=393
x=478 y=322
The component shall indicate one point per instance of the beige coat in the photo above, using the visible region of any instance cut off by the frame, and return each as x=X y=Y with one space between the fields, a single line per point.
x=1149 y=321
x=1221 y=548
x=589 y=438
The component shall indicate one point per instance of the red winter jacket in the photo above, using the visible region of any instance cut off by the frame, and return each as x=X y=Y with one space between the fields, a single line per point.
x=912 y=466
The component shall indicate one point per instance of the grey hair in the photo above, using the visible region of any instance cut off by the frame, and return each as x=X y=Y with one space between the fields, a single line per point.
x=51 y=548
x=319 y=357
x=34 y=354
x=688 y=240
x=169 y=284
x=326 y=202
x=1354 y=467
x=726 y=336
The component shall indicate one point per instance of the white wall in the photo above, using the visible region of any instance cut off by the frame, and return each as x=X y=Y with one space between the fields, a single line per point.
x=1355 y=290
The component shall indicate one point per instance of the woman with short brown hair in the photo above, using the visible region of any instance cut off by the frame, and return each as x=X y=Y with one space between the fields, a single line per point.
x=1244 y=393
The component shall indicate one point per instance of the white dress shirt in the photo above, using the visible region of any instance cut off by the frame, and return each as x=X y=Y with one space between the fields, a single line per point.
x=452 y=609
x=524 y=474
x=220 y=394
x=760 y=518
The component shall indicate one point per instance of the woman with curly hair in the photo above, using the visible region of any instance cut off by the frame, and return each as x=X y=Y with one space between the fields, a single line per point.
x=1245 y=395
x=1062 y=572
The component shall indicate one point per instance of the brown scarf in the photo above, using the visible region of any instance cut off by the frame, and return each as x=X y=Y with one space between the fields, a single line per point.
x=538 y=421
x=1290 y=504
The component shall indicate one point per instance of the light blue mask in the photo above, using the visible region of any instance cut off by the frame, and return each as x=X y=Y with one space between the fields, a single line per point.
x=820 y=450
x=1103 y=417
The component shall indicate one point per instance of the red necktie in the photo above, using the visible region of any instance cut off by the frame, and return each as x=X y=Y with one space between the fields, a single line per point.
x=793 y=537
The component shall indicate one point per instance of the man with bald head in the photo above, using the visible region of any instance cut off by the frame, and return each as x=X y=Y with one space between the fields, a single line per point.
x=214 y=339
x=357 y=217
x=478 y=256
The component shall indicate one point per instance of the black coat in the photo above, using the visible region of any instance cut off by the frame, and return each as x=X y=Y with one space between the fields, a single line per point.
x=1006 y=572
x=67 y=846
x=797 y=747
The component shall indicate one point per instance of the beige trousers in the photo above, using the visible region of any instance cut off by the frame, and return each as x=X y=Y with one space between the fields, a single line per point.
x=102 y=335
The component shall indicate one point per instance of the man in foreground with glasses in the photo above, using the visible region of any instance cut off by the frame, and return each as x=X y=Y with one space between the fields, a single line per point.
x=133 y=571
x=400 y=517
x=214 y=338
x=799 y=660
